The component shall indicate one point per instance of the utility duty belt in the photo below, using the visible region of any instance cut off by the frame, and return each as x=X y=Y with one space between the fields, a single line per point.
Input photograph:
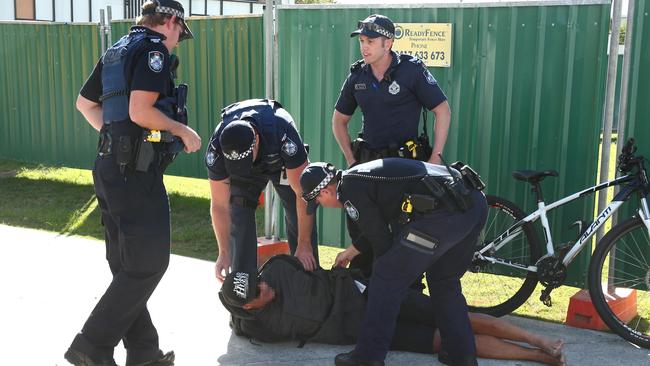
x=136 y=148
x=453 y=193
x=418 y=149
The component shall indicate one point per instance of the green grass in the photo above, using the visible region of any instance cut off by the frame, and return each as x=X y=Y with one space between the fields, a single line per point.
x=62 y=200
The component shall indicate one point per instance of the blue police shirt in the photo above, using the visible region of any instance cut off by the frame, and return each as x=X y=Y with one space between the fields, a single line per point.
x=391 y=107
x=289 y=150
x=140 y=73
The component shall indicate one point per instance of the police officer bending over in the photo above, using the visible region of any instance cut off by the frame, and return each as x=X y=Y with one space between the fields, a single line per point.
x=418 y=217
x=391 y=90
x=256 y=142
x=128 y=94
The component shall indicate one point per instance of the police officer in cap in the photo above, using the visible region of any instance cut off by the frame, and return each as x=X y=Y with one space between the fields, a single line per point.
x=128 y=94
x=418 y=217
x=256 y=142
x=391 y=89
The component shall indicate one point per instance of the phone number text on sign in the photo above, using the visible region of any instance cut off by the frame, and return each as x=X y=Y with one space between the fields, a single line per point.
x=431 y=42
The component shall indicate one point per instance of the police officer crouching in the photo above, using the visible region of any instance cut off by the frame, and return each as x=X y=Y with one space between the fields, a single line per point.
x=131 y=99
x=256 y=142
x=418 y=217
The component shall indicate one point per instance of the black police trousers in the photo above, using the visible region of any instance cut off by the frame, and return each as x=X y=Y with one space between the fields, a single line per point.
x=441 y=244
x=243 y=234
x=135 y=215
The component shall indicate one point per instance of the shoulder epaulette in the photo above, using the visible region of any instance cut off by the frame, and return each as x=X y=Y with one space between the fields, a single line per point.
x=412 y=59
x=357 y=65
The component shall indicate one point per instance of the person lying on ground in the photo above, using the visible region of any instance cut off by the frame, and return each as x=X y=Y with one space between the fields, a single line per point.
x=284 y=302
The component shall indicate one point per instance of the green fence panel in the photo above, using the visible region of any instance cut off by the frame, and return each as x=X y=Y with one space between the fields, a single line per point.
x=526 y=89
x=44 y=66
x=638 y=113
x=40 y=80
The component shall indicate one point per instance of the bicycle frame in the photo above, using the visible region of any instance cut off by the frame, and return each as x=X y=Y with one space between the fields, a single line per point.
x=541 y=214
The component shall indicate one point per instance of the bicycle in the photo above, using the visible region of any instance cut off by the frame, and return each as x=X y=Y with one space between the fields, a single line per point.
x=509 y=258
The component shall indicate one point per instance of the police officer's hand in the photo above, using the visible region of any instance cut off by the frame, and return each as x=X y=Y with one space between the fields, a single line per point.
x=222 y=267
x=344 y=258
x=306 y=257
x=191 y=139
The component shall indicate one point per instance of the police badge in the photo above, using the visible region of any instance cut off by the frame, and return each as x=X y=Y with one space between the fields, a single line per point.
x=351 y=210
x=430 y=79
x=289 y=147
x=210 y=158
x=156 y=59
x=393 y=88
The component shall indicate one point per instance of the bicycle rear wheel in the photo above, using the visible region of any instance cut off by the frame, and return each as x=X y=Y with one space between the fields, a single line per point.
x=620 y=266
x=494 y=288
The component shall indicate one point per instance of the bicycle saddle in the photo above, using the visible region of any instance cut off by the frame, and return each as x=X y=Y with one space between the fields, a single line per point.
x=533 y=176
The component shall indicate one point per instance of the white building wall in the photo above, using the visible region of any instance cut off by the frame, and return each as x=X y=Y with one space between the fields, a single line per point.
x=61 y=11
x=7 y=10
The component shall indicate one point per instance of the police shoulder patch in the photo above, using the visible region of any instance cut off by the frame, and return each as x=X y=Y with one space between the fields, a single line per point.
x=289 y=147
x=156 y=61
x=211 y=157
x=351 y=210
x=430 y=79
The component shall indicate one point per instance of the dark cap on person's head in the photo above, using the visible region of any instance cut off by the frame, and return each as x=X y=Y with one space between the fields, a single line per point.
x=375 y=26
x=237 y=141
x=239 y=288
x=170 y=7
x=313 y=179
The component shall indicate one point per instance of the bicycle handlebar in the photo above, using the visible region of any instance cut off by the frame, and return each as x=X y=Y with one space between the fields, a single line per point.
x=627 y=160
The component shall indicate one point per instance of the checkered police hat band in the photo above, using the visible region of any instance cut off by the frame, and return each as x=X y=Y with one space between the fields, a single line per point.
x=170 y=11
x=234 y=155
x=314 y=192
x=376 y=28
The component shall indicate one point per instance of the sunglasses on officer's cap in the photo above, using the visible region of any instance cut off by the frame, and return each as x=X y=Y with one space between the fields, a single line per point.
x=174 y=8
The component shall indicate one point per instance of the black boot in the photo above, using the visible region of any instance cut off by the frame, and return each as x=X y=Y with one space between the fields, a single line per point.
x=468 y=360
x=353 y=359
x=166 y=359
x=79 y=358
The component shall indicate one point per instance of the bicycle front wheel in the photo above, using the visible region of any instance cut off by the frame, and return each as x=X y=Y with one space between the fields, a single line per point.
x=495 y=288
x=619 y=272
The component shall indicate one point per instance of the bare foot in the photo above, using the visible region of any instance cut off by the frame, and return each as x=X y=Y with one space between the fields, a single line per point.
x=550 y=346
x=561 y=360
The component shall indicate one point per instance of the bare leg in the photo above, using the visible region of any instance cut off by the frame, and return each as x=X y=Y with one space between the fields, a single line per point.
x=489 y=325
x=491 y=347
x=488 y=346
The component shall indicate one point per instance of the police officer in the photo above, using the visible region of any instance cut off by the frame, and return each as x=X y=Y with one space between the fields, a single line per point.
x=391 y=90
x=256 y=142
x=418 y=217
x=123 y=98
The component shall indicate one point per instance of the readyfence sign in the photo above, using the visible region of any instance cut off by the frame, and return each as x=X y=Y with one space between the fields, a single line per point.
x=431 y=42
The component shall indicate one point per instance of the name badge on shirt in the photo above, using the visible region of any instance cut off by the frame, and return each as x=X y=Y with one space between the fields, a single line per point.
x=361 y=86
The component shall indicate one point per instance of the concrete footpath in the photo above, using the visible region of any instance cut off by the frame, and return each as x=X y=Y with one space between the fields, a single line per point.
x=50 y=283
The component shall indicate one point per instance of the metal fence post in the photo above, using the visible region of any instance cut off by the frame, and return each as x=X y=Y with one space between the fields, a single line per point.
x=609 y=107
x=102 y=40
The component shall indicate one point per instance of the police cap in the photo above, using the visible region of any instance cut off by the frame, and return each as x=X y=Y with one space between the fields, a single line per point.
x=170 y=7
x=240 y=288
x=237 y=141
x=313 y=179
x=375 y=26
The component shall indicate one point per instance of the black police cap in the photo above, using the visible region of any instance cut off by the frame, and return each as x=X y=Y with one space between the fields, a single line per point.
x=374 y=26
x=237 y=141
x=313 y=179
x=170 y=7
